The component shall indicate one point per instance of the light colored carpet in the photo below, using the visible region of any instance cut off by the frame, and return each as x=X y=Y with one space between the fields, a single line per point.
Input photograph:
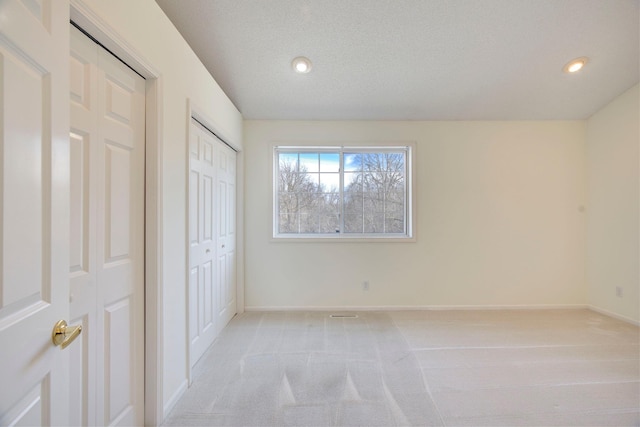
x=418 y=368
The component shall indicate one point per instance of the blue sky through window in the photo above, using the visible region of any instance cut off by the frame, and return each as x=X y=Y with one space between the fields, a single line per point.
x=352 y=162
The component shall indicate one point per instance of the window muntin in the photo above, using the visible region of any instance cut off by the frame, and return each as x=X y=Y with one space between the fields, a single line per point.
x=342 y=192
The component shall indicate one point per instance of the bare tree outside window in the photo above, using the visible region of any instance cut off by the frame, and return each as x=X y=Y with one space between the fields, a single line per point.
x=308 y=193
x=374 y=193
x=345 y=192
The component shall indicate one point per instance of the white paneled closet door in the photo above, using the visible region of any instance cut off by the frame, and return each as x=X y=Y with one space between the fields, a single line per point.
x=212 y=238
x=107 y=237
x=202 y=298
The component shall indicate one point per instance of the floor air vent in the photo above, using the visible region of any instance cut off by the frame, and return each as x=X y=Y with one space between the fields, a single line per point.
x=343 y=316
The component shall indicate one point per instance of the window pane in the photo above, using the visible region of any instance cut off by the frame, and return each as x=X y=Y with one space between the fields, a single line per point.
x=352 y=206
x=289 y=180
x=395 y=200
x=287 y=202
x=374 y=162
x=372 y=181
x=396 y=182
x=395 y=162
x=309 y=221
x=373 y=208
x=353 y=223
x=311 y=180
x=373 y=222
x=330 y=182
x=309 y=162
x=394 y=225
x=330 y=214
x=290 y=159
x=352 y=162
x=288 y=223
x=352 y=201
x=329 y=162
x=352 y=181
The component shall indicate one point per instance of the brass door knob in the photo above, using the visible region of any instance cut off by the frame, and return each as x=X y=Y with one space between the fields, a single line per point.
x=63 y=334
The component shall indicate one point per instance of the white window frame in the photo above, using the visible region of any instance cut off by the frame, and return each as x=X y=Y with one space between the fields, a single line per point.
x=410 y=206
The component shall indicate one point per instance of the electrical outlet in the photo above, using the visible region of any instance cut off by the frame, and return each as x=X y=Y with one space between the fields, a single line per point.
x=619 y=291
x=365 y=285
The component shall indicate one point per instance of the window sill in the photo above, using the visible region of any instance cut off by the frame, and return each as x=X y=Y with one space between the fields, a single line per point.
x=331 y=239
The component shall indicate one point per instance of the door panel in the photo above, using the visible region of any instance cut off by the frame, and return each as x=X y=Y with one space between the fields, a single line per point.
x=121 y=229
x=40 y=9
x=118 y=341
x=117 y=208
x=80 y=199
x=31 y=410
x=23 y=232
x=107 y=129
x=226 y=233
x=33 y=210
x=202 y=294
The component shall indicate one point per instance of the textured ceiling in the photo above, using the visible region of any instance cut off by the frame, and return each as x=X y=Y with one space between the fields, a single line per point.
x=414 y=59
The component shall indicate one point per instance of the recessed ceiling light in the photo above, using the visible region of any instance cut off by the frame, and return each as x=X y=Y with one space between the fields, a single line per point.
x=301 y=65
x=575 y=65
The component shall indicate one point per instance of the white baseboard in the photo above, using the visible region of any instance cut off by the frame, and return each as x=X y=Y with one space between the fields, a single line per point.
x=168 y=407
x=614 y=315
x=420 y=307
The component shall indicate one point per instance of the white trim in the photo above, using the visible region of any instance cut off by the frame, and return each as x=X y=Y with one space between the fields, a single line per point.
x=90 y=21
x=194 y=111
x=154 y=301
x=173 y=400
x=421 y=307
x=187 y=258
x=240 y=232
x=614 y=315
x=328 y=238
x=447 y=307
x=94 y=24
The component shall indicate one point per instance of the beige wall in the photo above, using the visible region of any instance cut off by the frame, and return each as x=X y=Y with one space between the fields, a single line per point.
x=143 y=25
x=613 y=254
x=499 y=220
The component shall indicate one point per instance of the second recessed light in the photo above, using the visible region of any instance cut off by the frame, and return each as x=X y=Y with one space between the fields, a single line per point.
x=576 y=65
x=301 y=65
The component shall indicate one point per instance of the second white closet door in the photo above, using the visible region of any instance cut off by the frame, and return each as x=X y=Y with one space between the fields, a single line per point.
x=107 y=237
x=212 y=238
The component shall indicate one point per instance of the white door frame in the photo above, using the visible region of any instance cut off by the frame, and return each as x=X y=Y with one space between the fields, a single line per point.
x=93 y=24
